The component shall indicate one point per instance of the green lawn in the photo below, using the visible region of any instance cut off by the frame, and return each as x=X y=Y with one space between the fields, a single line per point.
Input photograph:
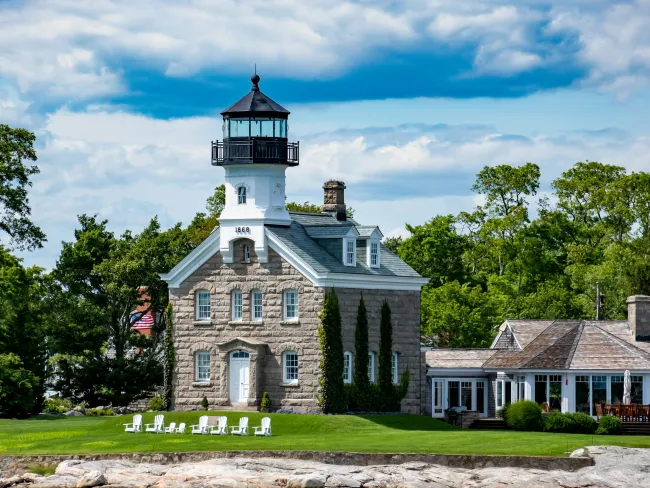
x=372 y=433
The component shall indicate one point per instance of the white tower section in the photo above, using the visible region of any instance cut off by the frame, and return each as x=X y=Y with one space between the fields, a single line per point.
x=255 y=195
x=255 y=152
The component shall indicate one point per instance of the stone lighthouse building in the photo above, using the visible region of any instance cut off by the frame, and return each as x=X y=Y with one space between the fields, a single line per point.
x=246 y=300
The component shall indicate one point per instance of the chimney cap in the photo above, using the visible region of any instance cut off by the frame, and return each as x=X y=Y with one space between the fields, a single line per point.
x=638 y=298
x=333 y=184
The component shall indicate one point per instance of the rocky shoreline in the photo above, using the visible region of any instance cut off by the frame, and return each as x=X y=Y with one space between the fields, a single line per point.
x=613 y=467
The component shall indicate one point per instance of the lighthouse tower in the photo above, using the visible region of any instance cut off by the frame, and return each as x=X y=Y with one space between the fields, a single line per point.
x=255 y=152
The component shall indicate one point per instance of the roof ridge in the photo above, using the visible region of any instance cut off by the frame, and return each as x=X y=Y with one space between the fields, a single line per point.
x=576 y=341
x=551 y=344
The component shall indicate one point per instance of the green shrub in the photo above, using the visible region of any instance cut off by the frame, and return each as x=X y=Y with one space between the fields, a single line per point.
x=583 y=423
x=17 y=387
x=266 y=404
x=99 y=412
x=558 y=422
x=331 y=396
x=524 y=415
x=204 y=403
x=54 y=406
x=157 y=403
x=609 y=425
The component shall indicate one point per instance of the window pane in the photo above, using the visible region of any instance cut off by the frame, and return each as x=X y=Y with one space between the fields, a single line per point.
x=256 y=127
x=540 y=388
x=349 y=252
x=480 y=396
x=239 y=128
x=555 y=392
x=374 y=251
x=257 y=305
x=637 y=389
x=203 y=366
x=237 y=305
x=617 y=388
x=521 y=387
x=437 y=401
x=453 y=393
x=371 y=366
x=582 y=394
x=203 y=305
x=393 y=367
x=599 y=390
x=347 y=363
x=291 y=304
x=241 y=195
x=466 y=394
x=267 y=128
x=499 y=393
x=291 y=366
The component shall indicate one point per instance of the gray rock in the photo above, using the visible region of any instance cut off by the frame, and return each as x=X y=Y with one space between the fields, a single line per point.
x=342 y=481
x=73 y=413
x=91 y=479
x=580 y=453
x=316 y=480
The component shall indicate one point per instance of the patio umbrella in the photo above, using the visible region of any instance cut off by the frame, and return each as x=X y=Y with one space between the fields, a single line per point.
x=627 y=388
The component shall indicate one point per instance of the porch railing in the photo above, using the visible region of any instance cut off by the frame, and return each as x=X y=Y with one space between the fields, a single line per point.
x=256 y=151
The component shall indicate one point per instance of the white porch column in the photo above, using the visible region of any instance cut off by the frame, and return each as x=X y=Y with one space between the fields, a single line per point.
x=474 y=395
x=530 y=384
x=568 y=393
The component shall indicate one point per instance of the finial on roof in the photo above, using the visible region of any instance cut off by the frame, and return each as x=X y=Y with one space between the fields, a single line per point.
x=255 y=79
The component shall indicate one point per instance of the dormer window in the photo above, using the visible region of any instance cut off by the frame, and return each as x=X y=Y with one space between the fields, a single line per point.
x=373 y=254
x=241 y=195
x=350 y=252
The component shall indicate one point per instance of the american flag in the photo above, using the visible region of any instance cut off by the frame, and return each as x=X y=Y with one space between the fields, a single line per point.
x=142 y=321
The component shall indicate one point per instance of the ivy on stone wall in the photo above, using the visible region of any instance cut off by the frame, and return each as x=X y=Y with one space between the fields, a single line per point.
x=332 y=394
x=169 y=357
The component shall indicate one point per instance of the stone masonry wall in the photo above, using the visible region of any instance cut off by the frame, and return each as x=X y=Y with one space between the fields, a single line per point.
x=268 y=338
x=405 y=308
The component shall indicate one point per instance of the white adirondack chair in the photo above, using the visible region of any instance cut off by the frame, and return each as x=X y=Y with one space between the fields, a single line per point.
x=135 y=426
x=265 y=428
x=181 y=428
x=242 y=428
x=171 y=429
x=158 y=426
x=202 y=426
x=221 y=428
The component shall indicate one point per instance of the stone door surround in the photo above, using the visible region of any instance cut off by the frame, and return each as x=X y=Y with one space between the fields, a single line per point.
x=257 y=352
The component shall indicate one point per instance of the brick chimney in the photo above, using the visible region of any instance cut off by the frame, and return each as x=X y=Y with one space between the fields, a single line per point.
x=334 y=199
x=638 y=316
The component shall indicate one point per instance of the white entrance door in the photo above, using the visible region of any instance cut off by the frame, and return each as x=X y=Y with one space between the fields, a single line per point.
x=239 y=373
x=437 y=400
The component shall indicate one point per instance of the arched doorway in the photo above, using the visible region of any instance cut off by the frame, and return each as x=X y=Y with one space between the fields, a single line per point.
x=239 y=376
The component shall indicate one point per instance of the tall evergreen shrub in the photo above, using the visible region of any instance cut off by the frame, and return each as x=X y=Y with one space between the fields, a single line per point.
x=169 y=357
x=385 y=379
x=332 y=394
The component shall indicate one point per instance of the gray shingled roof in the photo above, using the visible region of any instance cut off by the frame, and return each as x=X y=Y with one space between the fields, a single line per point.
x=366 y=230
x=296 y=238
x=329 y=231
x=556 y=345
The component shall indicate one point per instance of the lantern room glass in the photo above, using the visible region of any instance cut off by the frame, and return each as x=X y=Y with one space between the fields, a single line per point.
x=254 y=127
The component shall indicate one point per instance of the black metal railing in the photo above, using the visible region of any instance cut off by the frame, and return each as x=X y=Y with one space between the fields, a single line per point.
x=256 y=151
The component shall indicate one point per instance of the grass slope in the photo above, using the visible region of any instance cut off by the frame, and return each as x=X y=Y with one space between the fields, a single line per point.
x=371 y=433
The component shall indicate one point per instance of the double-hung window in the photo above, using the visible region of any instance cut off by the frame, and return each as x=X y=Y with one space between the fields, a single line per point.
x=246 y=251
x=290 y=369
x=350 y=252
x=237 y=304
x=257 y=305
x=373 y=254
x=202 y=298
x=203 y=366
x=347 y=367
x=241 y=195
x=291 y=305
x=394 y=368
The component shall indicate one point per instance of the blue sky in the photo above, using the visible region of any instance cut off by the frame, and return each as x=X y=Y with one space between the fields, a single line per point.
x=404 y=100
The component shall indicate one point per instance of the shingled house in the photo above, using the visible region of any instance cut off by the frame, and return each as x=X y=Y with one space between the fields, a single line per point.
x=246 y=300
x=570 y=364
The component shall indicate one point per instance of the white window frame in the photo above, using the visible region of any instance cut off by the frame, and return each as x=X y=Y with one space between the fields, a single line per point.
x=237 y=299
x=285 y=365
x=500 y=399
x=347 y=367
x=241 y=195
x=371 y=244
x=198 y=313
x=371 y=367
x=346 y=253
x=287 y=294
x=246 y=252
x=199 y=365
x=256 y=296
x=394 y=368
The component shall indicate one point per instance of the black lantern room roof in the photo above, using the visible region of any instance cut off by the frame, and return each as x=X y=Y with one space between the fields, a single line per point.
x=255 y=103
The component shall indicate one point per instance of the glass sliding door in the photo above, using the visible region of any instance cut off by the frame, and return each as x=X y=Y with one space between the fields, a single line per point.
x=480 y=397
x=583 y=394
x=555 y=392
x=453 y=394
x=637 y=389
x=598 y=392
x=540 y=388
x=466 y=394
x=617 y=389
